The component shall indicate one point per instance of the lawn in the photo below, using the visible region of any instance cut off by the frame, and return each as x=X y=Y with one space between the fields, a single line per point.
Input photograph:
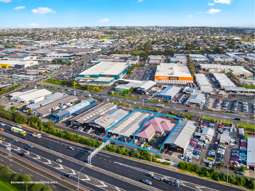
x=4 y=186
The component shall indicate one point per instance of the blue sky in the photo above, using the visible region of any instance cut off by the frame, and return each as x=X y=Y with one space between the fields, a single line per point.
x=65 y=13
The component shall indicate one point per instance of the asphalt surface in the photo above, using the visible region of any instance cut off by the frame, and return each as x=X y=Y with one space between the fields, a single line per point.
x=128 y=168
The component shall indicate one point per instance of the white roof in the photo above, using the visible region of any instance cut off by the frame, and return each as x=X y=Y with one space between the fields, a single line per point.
x=223 y=80
x=130 y=125
x=251 y=151
x=236 y=70
x=111 y=118
x=31 y=95
x=106 y=68
x=170 y=91
x=172 y=69
x=203 y=83
x=183 y=136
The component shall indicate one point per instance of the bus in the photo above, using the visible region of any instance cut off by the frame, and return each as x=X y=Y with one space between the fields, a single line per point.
x=19 y=131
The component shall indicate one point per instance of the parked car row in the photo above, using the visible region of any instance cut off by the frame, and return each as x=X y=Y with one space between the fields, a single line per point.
x=234 y=106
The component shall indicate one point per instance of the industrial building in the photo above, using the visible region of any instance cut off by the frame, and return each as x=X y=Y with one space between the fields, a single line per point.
x=47 y=109
x=168 y=92
x=85 y=118
x=178 y=139
x=18 y=63
x=251 y=153
x=235 y=70
x=104 y=72
x=156 y=126
x=110 y=119
x=138 y=86
x=48 y=99
x=73 y=110
x=223 y=81
x=197 y=98
x=155 y=59
x=130 y=125
x=179 y=58
x=30 y=96
x=171 y=73
x=198 y=58
x=203 y=83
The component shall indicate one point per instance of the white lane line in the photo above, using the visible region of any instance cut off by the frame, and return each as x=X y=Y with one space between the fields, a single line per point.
x=86 y=178
x=37 y=157
x=103 y=185
x=48 y=162
x=60 y=167
x=117 y=188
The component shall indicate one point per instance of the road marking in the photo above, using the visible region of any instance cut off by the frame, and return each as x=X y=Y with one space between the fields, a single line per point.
x=117 y=188
x=37 y=157
x=86 y=178
x=103 y=185
x=60 y=167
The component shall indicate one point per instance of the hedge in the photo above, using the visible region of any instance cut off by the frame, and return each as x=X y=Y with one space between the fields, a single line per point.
x=218 y=176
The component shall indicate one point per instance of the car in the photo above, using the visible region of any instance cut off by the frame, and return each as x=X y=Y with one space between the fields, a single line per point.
x=146 y=181
x=71 y=148
x=59 y=160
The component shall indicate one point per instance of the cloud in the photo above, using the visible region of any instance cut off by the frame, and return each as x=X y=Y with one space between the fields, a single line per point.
x=104 y=20
x=19 y=8
x=227 y=2
x=140 y=1
x=211 y=4
x=43 y=10
x=5 y=1
x=213 y=11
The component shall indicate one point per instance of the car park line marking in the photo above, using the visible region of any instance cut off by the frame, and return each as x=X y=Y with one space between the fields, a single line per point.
x=37 y=157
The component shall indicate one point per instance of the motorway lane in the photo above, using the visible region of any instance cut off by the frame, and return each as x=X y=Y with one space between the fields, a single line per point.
x=101 y=160
x=115 y=164
x=41 y=161
x=99 y=179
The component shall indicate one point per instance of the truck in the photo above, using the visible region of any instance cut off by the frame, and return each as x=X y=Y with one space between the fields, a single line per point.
x=19 y=131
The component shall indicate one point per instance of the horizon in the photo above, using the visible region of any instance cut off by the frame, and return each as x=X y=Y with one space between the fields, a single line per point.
x=95 y=13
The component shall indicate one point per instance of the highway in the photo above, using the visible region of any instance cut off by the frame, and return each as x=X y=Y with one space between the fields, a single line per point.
x=123 y=167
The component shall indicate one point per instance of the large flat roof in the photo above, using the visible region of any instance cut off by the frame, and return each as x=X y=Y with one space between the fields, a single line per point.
x=106 y=68
x=130 y=125
x=111 y=118
x=181 y=134
x=251 y=151
x=172 y=69
x=223 y=80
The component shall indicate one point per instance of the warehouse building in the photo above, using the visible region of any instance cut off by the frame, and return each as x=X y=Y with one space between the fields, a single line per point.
x=198 y=58
x=155 y=59
x=128 y=127
x=18 y=63
x=138 y=86
x=104 y=72
x=47 y=109
x=171 y=73
x=84 y=119
x=251 y=153
x=30 y=96
x=156 y=126
x=168 y=92
x=73 y=110
x=203 y=83
x=223 y=81
x=48 y=99
x=110 y=119
x=236 y=70
x=197 y=98
x=179 y=138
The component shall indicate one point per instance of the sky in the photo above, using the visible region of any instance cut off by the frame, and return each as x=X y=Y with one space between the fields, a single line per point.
x=77 y=13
